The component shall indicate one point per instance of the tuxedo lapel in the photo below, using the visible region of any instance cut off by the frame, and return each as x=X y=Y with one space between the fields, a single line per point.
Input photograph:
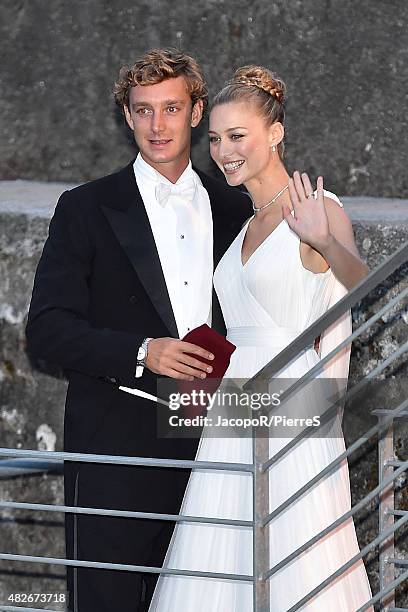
x=220 y=242
x=128 y=219
x=219 y=237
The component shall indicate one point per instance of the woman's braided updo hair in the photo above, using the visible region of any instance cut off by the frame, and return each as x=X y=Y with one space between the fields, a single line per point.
x=259 y=86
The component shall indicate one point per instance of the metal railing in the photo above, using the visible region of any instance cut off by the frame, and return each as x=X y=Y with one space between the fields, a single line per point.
x=19 y=461
x=387 y=476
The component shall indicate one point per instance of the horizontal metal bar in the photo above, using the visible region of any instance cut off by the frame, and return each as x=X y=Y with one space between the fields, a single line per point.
x=383 y=536
x=295 y=441
x=397 y=609
x=357 y=388
x=22 y=467
x=397 y=561
x=383 y=365
x=384 y=412
x=329 y=468
x=310 y=374
x=395 y=463
x=338 y=521
x=282 y=452
x=375 y=277
x=398 y=512
x=145 y=569
x=178 y=518
x=126 y=460
x=381 y=594
x=379 y=369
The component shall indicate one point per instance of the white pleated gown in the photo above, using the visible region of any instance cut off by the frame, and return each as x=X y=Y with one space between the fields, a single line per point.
x=266 y=303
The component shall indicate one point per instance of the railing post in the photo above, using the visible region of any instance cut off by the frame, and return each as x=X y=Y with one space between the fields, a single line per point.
x=260 y=511
x=386 y=507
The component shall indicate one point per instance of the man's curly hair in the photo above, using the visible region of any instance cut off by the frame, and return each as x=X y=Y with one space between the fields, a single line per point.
x=154 y=67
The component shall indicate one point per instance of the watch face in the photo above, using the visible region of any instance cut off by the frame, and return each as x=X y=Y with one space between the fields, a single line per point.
x=142 y=353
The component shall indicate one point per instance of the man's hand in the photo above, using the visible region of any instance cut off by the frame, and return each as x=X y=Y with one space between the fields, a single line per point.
x=169 y=357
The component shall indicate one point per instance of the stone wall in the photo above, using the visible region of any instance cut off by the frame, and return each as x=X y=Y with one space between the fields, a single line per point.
x=31 y=404
x=347 y=75
x=344 y=62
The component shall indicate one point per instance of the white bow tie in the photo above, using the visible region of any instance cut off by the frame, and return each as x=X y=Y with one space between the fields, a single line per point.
x=185 y=191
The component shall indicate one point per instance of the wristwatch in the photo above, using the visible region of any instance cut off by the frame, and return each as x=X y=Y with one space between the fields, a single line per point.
x=142 y=355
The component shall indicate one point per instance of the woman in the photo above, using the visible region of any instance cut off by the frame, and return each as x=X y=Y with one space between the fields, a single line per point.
x=291 y=261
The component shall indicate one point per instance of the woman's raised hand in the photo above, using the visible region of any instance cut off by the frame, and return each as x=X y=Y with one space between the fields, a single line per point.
x=310 y=220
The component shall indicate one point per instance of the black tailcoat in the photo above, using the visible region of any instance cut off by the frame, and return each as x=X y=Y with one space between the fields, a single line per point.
x=98 y=291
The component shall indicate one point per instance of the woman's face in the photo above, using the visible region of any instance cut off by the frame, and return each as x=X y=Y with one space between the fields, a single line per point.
x=240 y=141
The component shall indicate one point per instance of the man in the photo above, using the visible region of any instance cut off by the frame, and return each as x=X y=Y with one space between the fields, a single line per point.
x=125 y=273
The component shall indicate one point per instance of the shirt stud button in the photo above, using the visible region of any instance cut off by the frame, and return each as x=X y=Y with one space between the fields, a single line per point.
x=185 y=283
x=182 y=236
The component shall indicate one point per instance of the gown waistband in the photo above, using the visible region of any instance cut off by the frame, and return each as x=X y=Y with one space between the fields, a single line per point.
x=274 y=337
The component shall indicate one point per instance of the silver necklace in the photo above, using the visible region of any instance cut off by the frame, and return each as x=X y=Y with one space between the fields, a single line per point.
x=255 y=209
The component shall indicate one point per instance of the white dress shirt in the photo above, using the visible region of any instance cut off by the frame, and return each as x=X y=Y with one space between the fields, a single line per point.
x=181 y=221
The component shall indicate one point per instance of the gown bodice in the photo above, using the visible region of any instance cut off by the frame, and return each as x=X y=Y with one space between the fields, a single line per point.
x=272 y=289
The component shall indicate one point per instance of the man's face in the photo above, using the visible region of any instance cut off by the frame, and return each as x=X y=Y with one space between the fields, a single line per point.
x=161 y=118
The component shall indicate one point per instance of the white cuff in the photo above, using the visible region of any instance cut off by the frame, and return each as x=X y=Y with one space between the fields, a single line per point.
x=139 y=371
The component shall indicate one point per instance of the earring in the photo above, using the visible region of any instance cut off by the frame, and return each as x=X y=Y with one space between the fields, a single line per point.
x=273 y=148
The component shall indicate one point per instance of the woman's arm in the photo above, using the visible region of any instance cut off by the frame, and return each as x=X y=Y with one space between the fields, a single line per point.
x=340 y=250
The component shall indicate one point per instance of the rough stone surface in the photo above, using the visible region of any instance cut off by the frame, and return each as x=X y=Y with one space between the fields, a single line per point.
x=39 y=534
x=31 y=404
x=380 y=227
x=345 y=65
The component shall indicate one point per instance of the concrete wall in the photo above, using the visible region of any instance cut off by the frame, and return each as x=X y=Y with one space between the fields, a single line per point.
x=31 y=404
x=345 y=64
